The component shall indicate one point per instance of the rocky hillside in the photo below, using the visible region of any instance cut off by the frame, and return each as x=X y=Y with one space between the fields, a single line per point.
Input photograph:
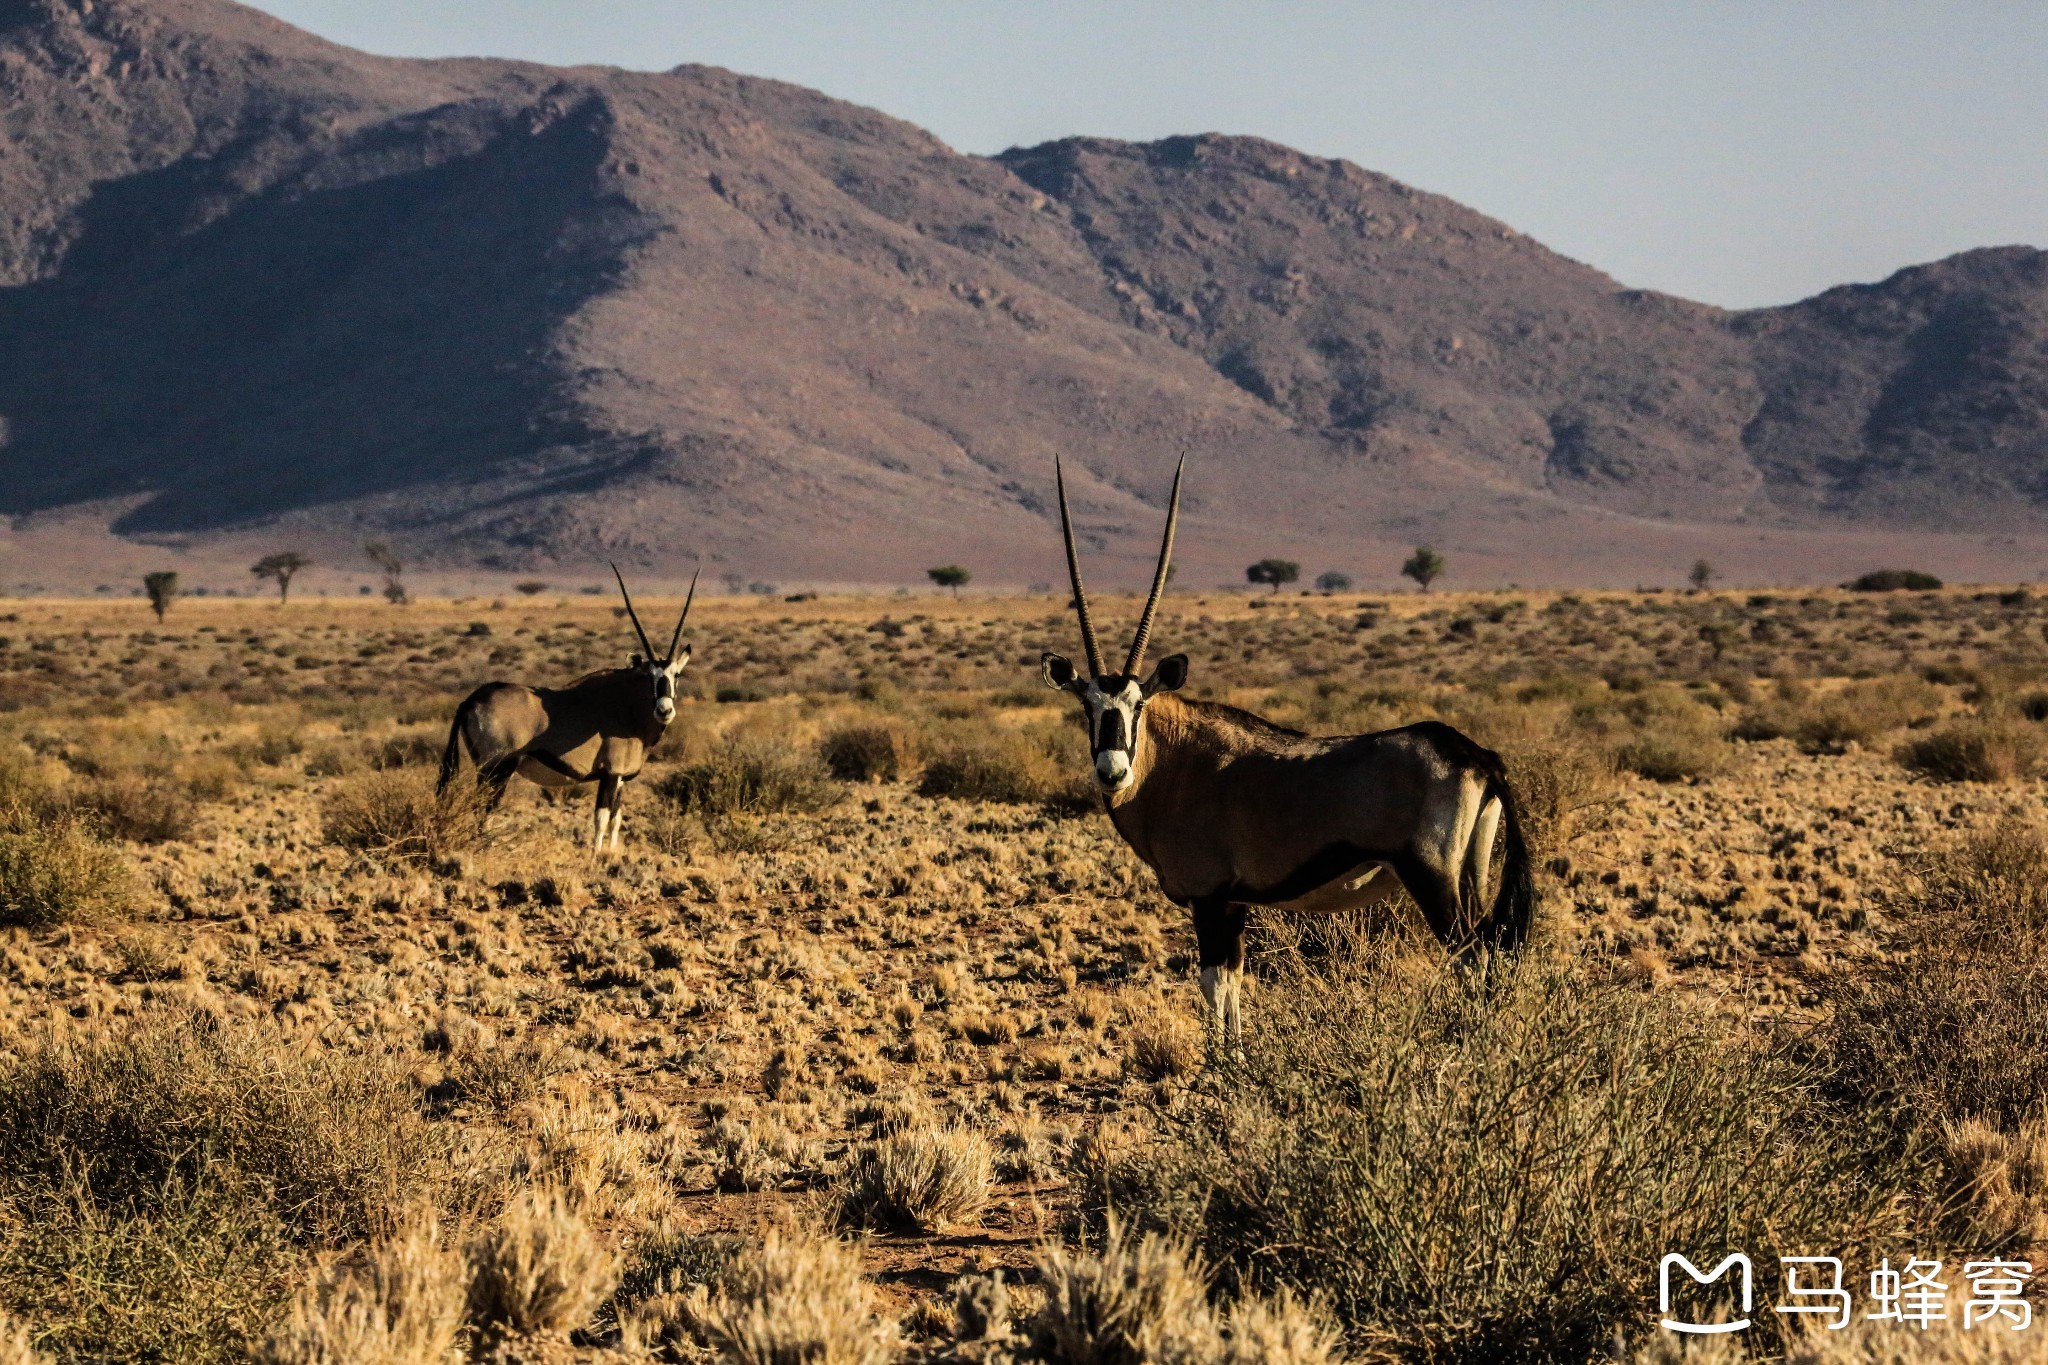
x=509 y=314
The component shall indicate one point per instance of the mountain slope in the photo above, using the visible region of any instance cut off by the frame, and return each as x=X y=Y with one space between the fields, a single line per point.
x=512 y=314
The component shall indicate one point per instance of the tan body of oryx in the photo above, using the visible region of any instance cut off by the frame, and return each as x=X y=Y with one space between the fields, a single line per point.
x=1231 y=811
x=600 y=728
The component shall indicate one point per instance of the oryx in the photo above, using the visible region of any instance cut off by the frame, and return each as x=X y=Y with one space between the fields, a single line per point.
x=1231 y=811
x=599 y=728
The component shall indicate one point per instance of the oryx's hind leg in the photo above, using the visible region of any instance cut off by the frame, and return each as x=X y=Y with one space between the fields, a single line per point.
x=495 y=776
x=601 y=816
x=1219 y=945
x=1479 y=860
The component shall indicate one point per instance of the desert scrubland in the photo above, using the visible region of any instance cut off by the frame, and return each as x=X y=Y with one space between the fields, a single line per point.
x=875 y=1042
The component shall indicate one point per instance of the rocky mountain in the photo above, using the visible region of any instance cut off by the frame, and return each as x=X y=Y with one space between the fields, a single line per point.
x=256 y=284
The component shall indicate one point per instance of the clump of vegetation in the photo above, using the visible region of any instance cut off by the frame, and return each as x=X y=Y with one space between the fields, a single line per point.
x=991 y=764
x=537 y=1268
x=141 y=807
x=397 y=813
x=399 y=1302
x=54 y=869
x=162 y=589
x=1273 y=573
x=1147 y=1299
x=168 y=1175
x=1894 y=580
x=1397 y=1132
x=1975 y=750
x=751 y=776
x=923 y=1177
x=796 y=1297
x=884 y=752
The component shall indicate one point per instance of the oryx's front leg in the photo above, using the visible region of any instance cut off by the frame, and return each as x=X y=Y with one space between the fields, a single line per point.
x=1219 y=944
x=618 y=816
x=607 y=800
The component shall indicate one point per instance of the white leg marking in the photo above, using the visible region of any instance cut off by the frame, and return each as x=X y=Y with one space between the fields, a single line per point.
x=618 y=823
x=1233 y=1004
x=597 y=844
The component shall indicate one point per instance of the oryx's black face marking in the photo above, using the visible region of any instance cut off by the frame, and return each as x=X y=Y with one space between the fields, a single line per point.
x=661 y=680
x=1114 y=706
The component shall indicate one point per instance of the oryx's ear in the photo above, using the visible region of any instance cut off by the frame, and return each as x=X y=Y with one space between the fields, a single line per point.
x=676 y=663
x=1057 y=670
x=637 y=661
x=1168 y=677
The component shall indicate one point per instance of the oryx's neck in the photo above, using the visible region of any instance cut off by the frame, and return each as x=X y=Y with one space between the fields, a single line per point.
x=1172 y=746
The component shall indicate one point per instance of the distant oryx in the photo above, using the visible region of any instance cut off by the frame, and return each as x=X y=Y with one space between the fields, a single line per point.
x=598 y=728
x=1231 y=811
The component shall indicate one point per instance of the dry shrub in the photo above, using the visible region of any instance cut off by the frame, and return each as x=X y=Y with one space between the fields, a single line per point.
x=53 y=870
x=1975 y=750
x=398 y=814
x=1861 y=712
x=884 y=752
x=397 y=1303
x=924 y=1177
x=994 y=763
x=1675 y=755
x=138 y=807
x=537 y=1268
x=1149 y=1302
x=798 y=1299
x=1558 y=779
x=324 y=1140
x=1397 y=1132
x=751 y=776
x=1949 y=1037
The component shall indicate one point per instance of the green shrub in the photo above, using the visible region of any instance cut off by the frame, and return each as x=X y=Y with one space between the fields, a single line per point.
x=54 y=870
x=748 y=775
x=1975 y=750
x=1487 y=1166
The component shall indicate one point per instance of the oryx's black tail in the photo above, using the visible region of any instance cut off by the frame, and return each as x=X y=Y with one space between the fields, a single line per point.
x=1513 y=912
x=451 y=757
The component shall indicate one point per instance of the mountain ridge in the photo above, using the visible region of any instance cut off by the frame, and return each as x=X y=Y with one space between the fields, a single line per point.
x=255 y=283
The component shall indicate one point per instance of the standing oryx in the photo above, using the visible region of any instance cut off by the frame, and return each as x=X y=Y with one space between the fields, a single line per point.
x=598 y=728
x=1230 y=811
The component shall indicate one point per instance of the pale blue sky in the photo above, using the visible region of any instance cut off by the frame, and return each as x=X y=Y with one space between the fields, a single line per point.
x=1739 y=153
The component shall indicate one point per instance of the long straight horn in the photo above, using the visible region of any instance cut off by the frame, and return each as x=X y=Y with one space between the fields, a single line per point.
x=1137 y=659
x=637 y=630
x=1095 y=668
x=676 y=639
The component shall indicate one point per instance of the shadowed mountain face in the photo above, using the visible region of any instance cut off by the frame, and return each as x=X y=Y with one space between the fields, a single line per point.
x=513 y=314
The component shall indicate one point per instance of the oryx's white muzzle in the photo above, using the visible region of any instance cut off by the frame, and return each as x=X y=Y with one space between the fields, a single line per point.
x=1113 y=769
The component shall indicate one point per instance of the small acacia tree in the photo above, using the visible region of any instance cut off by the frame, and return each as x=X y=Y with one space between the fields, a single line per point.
x=279 y=568
x=1701 y=576
x=1425 y=566
x=1332 y=581
x=162 y=587
x=950 y=576
x=532 y=587
x=393 y=570
x=1274 y=573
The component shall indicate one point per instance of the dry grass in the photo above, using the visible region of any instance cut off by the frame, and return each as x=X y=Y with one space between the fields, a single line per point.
x=797 y=1299
x=1977 y=751
x=54 y=870
x=537 y=1268
x=397 y=1303
x=918 y=1178
x=733 y=1017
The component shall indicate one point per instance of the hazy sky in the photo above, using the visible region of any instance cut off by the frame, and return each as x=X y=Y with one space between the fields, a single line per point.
x=1740 y=153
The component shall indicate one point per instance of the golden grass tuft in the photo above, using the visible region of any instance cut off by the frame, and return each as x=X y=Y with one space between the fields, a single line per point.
x=797 y=1299
x=923 y=1177
x=397 y=1303
x=1976 y=750
x=537 y=1268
